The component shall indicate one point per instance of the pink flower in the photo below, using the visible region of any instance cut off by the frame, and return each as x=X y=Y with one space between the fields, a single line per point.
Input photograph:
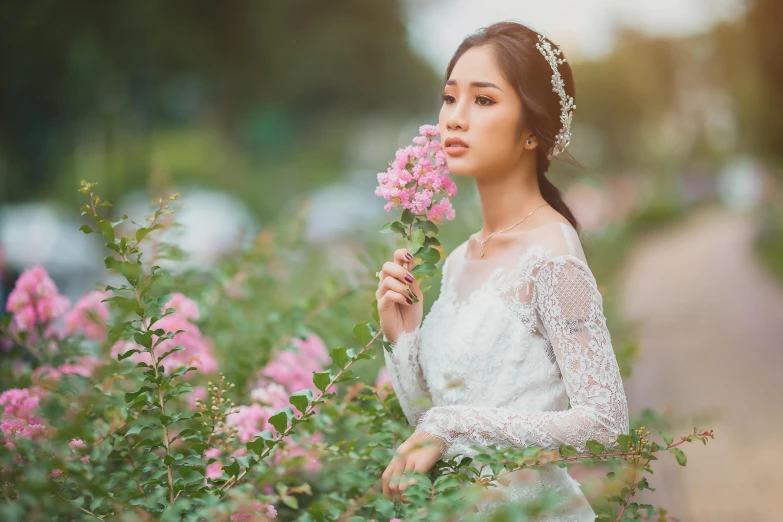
x=416 y=175
x=20 y=403
x=35 y=302
x=250 y=420
x=214 y=470
x=86 y=459
x=89 y=316
x=200 y=393
x=294 y=370
x=212 y=453
x=76 y=444
x=382 y=380
x=395 y=520
x=82 y=366
x=56 y=473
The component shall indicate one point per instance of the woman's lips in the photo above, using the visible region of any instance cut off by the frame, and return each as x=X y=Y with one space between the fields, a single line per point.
x=456 y=149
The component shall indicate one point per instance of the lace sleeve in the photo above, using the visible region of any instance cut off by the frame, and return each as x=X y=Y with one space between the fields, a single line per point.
x=570 y=309
x=406 y=374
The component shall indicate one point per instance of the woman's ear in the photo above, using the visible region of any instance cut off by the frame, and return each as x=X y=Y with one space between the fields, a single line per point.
x=531 y=142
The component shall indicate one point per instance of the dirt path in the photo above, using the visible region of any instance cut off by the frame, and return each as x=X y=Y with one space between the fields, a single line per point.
x=710 y=324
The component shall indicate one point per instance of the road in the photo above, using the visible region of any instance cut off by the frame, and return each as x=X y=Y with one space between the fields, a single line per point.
x=710 y=323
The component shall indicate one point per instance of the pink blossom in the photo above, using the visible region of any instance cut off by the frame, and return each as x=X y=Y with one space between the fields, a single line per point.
x=56 y=473
x=250 y=420
x=20 y=403
x=294 y=370
x=212 y=453
x=423 y=167
x=89 y=316
x=382 y=380
x=35 y=302
x=86 y=459
x=214 y=470
x=200 y=393
x=82 y=366
x=77 y=444
x=197 y=349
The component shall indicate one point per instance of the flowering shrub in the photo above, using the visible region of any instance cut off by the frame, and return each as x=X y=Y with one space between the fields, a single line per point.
x=117 y=409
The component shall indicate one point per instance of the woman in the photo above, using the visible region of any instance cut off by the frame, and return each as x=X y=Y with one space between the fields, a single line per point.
x=518 y=330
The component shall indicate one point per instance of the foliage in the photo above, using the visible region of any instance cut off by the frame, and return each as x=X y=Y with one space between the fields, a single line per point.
x=154 y=431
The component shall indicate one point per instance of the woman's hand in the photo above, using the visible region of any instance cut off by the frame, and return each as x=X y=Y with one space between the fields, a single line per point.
x=417 y=454
x=396 y=310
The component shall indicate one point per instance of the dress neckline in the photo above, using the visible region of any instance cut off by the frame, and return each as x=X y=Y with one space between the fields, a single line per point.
x=512 y=249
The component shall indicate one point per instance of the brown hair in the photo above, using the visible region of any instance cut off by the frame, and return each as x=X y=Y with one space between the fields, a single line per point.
x=526 y=69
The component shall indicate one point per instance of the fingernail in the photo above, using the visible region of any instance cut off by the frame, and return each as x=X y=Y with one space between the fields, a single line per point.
x=409 y=278
x=408 y=256
x=409 y=300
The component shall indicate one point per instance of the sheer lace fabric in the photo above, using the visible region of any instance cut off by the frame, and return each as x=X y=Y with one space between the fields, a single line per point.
x=512 y=339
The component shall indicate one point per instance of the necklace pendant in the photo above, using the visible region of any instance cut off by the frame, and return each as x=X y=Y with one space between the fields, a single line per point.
x=481 y=254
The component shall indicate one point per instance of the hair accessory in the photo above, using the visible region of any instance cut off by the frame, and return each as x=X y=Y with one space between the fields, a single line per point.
x=566 y=102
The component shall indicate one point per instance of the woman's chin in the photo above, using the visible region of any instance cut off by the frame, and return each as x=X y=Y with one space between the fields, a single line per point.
x=458 y=167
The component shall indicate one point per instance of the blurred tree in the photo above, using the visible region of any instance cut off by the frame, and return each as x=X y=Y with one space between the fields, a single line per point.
x=262 y=73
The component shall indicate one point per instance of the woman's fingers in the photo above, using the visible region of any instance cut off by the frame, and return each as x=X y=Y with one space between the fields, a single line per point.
x=386 y=479
x=406 y=478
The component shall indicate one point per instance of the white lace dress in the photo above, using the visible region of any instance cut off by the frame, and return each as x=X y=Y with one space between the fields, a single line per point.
x=511 y=338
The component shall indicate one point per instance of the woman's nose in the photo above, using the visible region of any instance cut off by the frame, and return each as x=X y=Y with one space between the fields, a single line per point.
x=457 y=117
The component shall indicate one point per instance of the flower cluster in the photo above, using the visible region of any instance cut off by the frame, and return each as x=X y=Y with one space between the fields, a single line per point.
x=35 y=304
x=89 y=316
x=417 y=176
x=286 y=373
x=19 y=414
x=197 y=349
x=256 y=511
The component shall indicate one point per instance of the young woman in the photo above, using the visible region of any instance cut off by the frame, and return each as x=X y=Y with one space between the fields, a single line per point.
x=518 y=331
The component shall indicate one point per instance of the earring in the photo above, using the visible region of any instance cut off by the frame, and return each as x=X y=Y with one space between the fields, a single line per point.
x=529 y=142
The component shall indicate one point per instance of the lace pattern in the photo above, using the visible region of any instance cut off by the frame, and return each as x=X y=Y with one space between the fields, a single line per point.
x=569 y=307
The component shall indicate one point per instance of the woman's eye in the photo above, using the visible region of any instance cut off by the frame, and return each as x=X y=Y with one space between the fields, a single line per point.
x=484 y=99
x=447 y=98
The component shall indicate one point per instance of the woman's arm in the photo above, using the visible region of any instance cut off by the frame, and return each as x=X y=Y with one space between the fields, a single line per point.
x=570 y=308
x=406 y=375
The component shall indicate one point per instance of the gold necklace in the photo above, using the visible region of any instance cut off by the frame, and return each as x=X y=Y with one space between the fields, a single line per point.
x=481 y=254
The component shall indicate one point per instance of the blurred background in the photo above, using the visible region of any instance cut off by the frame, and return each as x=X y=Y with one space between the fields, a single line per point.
x=257 y=110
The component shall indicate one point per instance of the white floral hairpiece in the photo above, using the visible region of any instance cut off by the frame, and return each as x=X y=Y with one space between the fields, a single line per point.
x=566 y=102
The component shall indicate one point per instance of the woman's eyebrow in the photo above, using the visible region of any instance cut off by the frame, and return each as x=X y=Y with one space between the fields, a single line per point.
x=477 y=84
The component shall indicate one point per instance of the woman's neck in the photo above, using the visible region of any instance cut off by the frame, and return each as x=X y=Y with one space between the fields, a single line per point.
x=506 y=199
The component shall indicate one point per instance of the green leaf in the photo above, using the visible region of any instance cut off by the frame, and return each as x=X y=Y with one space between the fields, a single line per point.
x=385 y=507
x=595 y=447
x=567 y=450
x=362 y=333
x=291 y=501
x=407 y=216
x=427 y=227
x=142 y=232
x=667 y=437
x=301 y=399
x=132 y=395
x=682 y=459
x=416 y=241
x=125 y=355
x=427 y=269
x=339 y=356
x=232 y=469
x=87 y=230
x=322 y=380
x=625 y=442
x=106 y=229
x=279 y=421
x=429 y=255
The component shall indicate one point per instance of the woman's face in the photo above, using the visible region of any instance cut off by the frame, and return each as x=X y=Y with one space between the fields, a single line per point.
x=480 y=108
